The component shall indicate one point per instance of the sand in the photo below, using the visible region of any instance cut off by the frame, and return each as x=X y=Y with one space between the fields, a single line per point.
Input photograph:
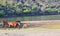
x=46 y=28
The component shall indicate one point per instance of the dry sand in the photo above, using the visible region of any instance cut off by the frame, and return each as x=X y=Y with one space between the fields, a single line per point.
x=31 y=34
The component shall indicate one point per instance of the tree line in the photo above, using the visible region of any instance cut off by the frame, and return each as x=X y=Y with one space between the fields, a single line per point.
x=21 y=9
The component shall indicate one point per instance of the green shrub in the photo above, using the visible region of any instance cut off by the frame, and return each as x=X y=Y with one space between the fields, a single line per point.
x=27 y=10
x=50 y=9
x=58 y=9
x=2 y=12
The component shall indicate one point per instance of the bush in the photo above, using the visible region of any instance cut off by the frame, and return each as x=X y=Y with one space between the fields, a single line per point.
x=58 y=9
x=2 y=12
x=50 y=9
x=26 y=10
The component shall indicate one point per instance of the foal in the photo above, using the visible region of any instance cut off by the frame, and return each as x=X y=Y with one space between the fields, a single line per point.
x=25 y=25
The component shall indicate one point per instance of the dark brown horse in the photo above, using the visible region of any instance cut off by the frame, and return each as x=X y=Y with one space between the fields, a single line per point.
x=4 y=24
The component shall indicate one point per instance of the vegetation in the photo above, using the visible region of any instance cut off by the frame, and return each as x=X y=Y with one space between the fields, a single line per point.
x=2 y=12
x=58 y=9
x=50 y=9
x=16 y=7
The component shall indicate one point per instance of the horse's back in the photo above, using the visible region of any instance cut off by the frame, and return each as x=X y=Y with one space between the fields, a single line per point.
x=14 y=24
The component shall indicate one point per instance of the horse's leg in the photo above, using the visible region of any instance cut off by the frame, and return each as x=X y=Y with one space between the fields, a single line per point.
x=2 y=26
x=18 y=25
x=9 y=26
x=6 y=26
x=23 y=26
x=14 y=26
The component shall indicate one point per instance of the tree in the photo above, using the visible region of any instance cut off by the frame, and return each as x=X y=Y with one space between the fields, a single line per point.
x=3 y=2
x=50 y=9
x=26 y=10
x=18 y=10
x=34 y=8
x=58 y=9
x=2 y=13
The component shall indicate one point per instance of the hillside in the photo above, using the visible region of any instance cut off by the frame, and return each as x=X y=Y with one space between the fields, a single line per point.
x=29 y=7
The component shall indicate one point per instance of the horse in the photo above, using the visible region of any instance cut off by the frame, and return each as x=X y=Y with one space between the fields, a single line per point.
x=4 y=24
x=25 y=25
x=10 y=24
x=14 y=24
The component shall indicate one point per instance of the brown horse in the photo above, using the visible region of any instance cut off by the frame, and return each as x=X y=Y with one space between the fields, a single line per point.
x=14 y=24
x=10 y=24
x=25 y=25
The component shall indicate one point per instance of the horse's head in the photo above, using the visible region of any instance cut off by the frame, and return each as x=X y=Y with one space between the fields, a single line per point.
x=18 y=22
